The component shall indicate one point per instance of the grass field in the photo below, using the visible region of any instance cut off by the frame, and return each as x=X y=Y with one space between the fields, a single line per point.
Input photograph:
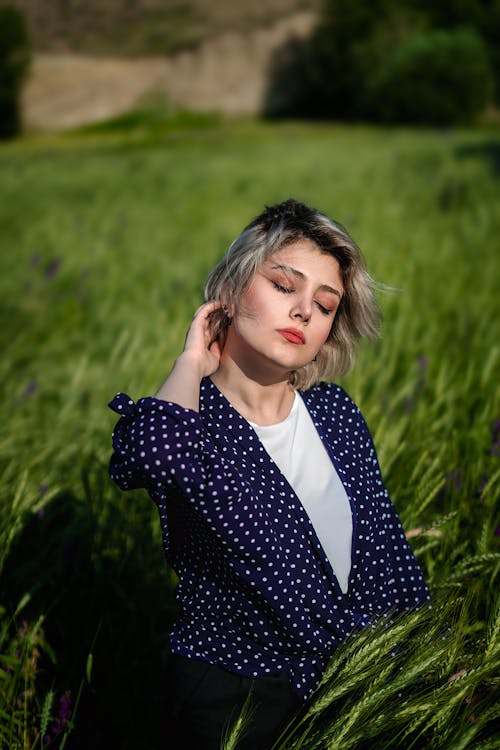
x=107 y=236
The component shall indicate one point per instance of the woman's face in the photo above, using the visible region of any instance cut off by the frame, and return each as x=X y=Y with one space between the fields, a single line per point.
x=286 y=313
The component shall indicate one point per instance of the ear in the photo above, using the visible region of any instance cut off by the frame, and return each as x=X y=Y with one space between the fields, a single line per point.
x=226 y=305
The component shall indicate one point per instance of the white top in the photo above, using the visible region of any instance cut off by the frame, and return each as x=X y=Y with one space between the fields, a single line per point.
x=297 y=450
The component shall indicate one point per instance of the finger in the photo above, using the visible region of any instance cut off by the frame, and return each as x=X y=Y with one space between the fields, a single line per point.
x=208 y=307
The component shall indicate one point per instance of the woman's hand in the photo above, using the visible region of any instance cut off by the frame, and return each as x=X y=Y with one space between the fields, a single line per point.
x=200 y=358
x=199 y=345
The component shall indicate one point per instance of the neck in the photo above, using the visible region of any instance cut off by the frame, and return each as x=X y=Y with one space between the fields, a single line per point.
x=263 y=398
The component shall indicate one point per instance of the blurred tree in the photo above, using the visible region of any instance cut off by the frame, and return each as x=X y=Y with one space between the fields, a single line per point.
x=481 y=15
x=360 y=50
x=324 y=76
x=15 y=58
x=421 y=82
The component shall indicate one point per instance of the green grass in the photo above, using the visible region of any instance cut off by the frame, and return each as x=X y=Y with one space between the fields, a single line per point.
x=107 y=236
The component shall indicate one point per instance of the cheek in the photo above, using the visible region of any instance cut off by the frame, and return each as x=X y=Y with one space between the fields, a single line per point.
x=246 y=311
x=325 y=333
x=253 y=305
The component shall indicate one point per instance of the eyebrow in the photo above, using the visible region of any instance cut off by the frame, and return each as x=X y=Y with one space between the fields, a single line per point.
x=299 y=275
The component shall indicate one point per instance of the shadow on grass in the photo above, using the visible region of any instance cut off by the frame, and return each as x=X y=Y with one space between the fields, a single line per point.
x=489 y=150
x=94 y=568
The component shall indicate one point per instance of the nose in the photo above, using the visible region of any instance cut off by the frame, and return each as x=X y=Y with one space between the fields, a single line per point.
x=302 y=310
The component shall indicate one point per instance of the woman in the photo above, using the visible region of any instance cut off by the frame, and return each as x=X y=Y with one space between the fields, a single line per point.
x=272 y=507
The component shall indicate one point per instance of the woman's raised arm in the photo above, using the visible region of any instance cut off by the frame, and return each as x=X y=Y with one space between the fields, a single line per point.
x=199 y=359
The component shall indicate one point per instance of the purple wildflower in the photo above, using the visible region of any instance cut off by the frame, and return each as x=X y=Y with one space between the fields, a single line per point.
x=495 y=438
x=455 y=479
x=497 y=531
x=410 y=403
x=63 y=716
x=42 y=489
x=65 y=708
x=53 y=268
x=30 y=388
x=423 y=363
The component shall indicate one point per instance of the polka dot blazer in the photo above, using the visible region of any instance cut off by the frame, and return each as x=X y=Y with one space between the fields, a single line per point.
x=257 y=593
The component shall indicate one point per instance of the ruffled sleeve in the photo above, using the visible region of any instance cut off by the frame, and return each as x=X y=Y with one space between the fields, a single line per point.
x=153 y=441
x=159 y=444
x=122 y=405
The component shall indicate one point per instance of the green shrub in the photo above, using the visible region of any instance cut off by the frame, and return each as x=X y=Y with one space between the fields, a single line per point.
x=482 y=15
x=15 y=57
x=439 y=77
x=391 y=60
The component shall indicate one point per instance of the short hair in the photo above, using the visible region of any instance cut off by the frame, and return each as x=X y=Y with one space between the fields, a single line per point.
x=276 y=227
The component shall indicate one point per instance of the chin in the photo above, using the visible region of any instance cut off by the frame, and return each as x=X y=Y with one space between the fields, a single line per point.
x=294 y=365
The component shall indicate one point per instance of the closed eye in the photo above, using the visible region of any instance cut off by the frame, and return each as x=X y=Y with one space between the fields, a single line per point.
x=289 y=290
x=281 y=288
x=325 y=310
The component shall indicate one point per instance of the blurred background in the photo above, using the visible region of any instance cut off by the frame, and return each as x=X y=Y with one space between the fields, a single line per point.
x=138 y=137
x=406 y=61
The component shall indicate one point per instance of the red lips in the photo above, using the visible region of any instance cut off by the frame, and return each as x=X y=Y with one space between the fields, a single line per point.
x=292 y=335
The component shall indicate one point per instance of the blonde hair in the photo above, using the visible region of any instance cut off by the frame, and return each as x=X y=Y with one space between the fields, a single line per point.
x=276 y=227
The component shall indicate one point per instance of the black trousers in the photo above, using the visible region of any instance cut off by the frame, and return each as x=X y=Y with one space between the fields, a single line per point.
x=203 y=698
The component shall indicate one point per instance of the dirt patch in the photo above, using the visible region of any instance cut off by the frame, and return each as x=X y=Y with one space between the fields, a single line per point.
x=228 y=74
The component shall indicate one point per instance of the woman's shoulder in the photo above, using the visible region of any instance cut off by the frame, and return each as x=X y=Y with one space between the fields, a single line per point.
x=329 y=403
x=328 y=394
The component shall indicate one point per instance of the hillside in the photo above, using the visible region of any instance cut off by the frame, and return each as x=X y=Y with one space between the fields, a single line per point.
x=146 y=27
x=227 y=72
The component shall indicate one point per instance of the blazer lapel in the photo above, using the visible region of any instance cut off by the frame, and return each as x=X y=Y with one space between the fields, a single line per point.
x=244 y=443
